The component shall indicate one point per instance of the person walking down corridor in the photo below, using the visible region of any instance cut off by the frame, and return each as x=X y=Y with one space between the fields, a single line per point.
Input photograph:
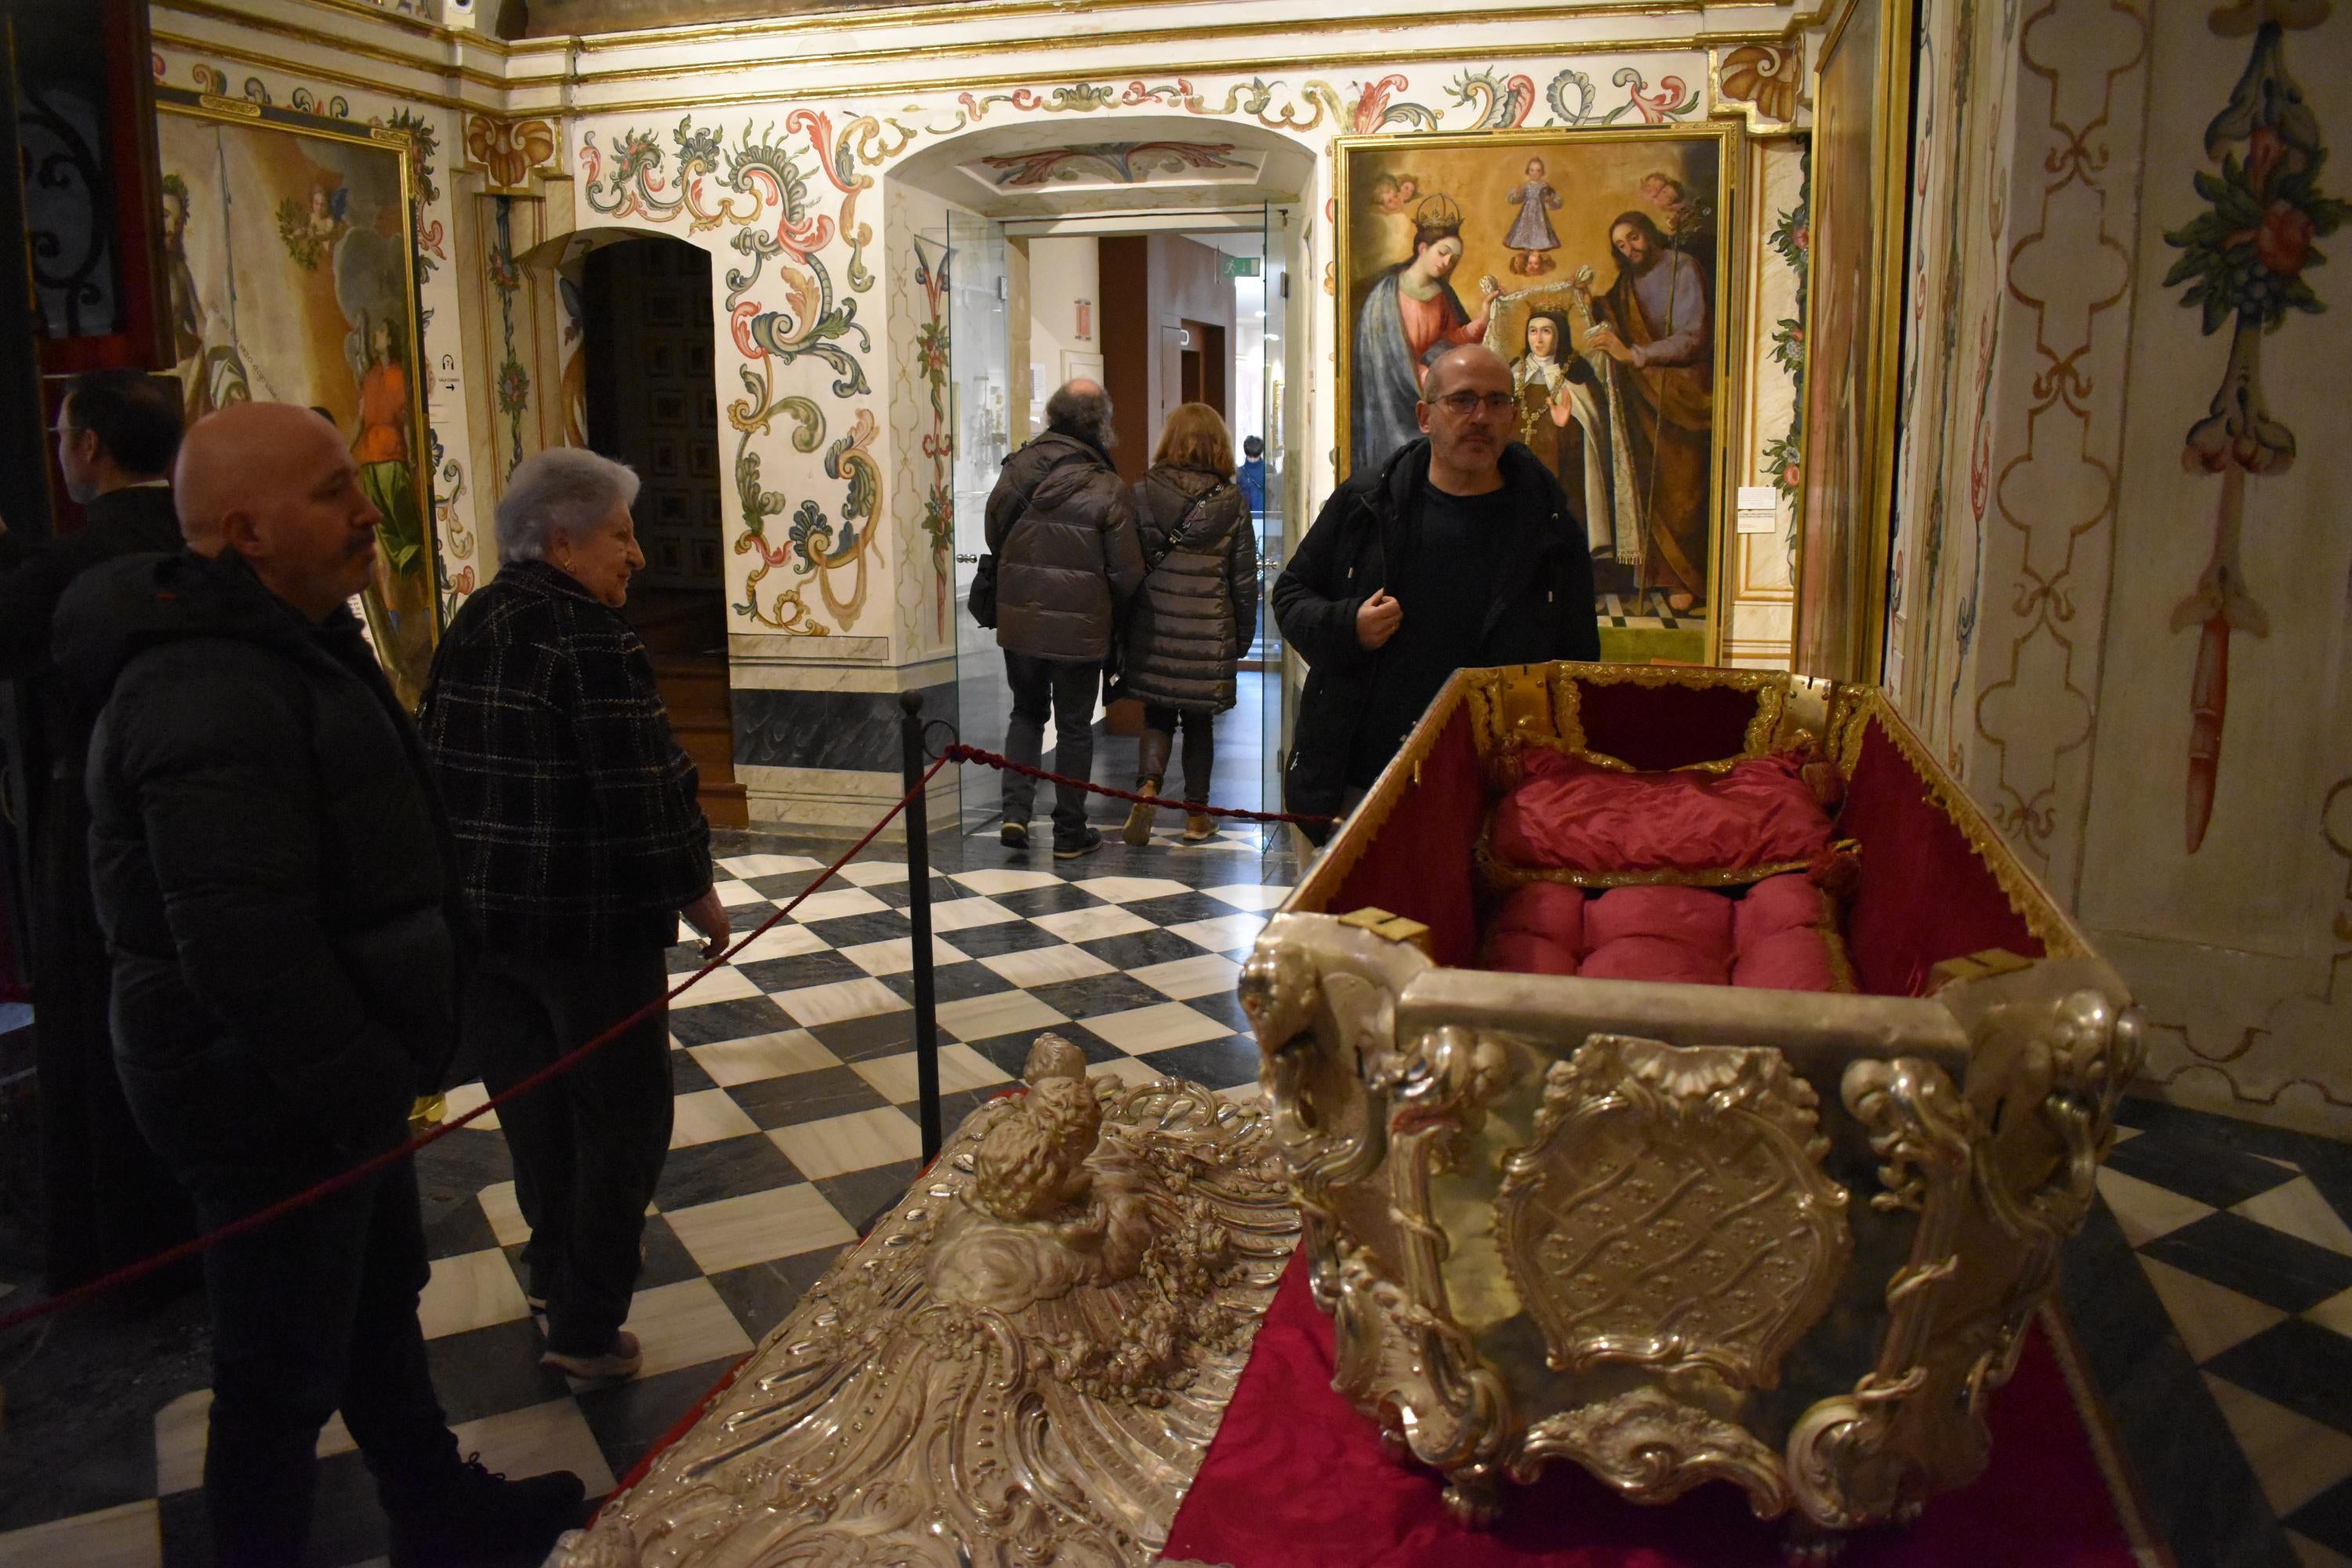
x=274 y=877
x=1062 y=530
x=1198 y=612
x=580 y=842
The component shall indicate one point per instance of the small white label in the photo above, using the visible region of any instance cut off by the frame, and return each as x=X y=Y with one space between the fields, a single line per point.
x=1759 y=509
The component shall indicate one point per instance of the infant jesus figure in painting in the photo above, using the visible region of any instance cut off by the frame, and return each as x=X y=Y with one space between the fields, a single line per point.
x=1531 y=234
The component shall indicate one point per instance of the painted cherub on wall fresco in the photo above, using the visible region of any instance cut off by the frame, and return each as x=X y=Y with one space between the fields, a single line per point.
x=1532 y=239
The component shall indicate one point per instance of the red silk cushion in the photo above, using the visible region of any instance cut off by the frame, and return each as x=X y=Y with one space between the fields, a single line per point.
x=1774 y=905
x=1573 y=816
x=1698 y=918
x=1529 y=953
x=1554 y=909
x=1797 y=959
x=1653 y=958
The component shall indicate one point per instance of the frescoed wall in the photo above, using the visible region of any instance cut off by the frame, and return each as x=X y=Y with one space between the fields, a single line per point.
x=781 y=159
x=2123 y=609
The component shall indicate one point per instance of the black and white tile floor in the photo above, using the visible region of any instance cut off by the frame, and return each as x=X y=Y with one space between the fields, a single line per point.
x=2212 y=1290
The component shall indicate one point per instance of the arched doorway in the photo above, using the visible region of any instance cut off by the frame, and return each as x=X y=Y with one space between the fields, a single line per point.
x=1157 y=263
x=638 y=388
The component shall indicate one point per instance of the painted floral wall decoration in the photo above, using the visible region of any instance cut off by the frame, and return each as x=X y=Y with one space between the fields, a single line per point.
x=1791 y=240
x=2244 y=261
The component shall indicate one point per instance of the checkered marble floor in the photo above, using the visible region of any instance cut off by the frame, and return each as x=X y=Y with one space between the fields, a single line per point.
x=2242 y=1236
x=2212 y=1290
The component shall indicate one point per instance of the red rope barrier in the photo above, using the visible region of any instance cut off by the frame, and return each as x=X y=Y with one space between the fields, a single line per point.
x=194 y=1246
x=959 y=752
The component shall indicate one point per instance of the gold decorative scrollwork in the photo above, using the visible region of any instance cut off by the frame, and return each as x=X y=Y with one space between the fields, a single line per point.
x=1672 y=1211
x=1844 y=1462
x=1652 y=1448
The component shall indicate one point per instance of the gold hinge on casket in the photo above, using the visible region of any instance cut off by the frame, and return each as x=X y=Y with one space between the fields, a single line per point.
x=1395 y=927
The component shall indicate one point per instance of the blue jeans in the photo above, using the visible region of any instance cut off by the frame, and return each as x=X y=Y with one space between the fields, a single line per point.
x=1068 y=688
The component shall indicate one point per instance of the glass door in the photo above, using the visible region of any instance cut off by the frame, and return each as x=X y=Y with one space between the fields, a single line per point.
x=979 y=378
x=1280 y=524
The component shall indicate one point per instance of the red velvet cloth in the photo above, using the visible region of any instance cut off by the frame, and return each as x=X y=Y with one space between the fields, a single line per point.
x=1924 y=895
x=1421 y=862
x=1661 y=727
x=1573 y=816
x=1295 y=1478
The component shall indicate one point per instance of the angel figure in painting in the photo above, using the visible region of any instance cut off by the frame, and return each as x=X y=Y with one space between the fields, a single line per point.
x=1409 y=318
x=1532 y=237
x=399 y=597
x=1653 y=325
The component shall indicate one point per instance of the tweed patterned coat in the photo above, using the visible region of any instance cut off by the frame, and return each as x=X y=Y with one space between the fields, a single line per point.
x=574 y=811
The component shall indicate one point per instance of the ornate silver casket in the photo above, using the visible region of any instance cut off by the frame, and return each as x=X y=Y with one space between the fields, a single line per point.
x=1682 y=1233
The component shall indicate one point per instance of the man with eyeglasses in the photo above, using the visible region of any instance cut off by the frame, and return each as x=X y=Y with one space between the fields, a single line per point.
x=1460 y=551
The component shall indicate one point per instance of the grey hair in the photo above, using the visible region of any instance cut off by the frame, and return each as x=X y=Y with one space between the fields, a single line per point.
x=563 y=487
x=1083 y=409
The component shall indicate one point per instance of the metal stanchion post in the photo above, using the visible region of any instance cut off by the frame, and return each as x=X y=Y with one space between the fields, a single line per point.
x=919 y=913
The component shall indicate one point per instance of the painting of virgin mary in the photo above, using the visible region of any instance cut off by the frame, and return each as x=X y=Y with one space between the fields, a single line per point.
x=1411 y=316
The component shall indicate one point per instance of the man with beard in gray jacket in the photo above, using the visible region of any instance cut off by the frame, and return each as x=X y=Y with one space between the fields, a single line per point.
x=1062 y=526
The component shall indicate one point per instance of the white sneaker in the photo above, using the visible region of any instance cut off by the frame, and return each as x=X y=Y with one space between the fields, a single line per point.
x=621 y=1360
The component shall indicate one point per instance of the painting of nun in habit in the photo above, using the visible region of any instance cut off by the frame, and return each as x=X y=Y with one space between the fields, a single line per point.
x=1570 y=415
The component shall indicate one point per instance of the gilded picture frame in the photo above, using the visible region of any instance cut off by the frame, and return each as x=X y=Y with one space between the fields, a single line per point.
x=290 y=252
x=1642 y=448
x=1859 y=211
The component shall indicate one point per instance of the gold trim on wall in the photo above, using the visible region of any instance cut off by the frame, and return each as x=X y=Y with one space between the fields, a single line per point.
x=1728 y=317
x=1063 y=10
x=203 y=49
x=1229 y=66
x=1888 y=202
x=447 y=69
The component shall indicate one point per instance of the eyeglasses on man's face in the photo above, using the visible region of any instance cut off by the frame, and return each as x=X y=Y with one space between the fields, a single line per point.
x=1462 y=404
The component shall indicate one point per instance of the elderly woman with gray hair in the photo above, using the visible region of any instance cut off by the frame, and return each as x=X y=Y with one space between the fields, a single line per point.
x=579 y=843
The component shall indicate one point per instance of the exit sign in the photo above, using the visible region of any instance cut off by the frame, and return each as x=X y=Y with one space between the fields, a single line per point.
x=1240 y=265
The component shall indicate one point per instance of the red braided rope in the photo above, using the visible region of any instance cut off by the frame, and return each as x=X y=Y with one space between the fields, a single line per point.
x=393 y=1156
x=958 y=751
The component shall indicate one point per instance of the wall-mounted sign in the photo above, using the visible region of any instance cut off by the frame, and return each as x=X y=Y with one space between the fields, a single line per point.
x=1242 y=267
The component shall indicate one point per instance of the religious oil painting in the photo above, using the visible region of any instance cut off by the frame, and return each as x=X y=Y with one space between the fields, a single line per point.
x=1591 y=262
x=287 y=240
x=1859 y=180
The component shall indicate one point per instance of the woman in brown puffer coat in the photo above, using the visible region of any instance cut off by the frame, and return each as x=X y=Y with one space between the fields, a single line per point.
x=1197 y=614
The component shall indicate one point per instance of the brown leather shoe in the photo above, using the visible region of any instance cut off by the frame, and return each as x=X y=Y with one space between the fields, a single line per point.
x=1198 y=829
x=1138 y=821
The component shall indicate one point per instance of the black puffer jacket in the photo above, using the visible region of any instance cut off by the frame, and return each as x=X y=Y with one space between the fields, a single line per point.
x=1198 y=611
x=1366 y=538
x=1066 y=557
x=270 y=866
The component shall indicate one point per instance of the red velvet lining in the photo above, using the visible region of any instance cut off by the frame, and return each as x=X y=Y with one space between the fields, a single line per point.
x=1421 y=863
x=1660 y=727
x=1295 y=1478
x=1925 y=896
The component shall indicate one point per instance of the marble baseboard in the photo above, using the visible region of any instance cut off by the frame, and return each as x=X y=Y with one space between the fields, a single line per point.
x=839 y=803
x=832 y=731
